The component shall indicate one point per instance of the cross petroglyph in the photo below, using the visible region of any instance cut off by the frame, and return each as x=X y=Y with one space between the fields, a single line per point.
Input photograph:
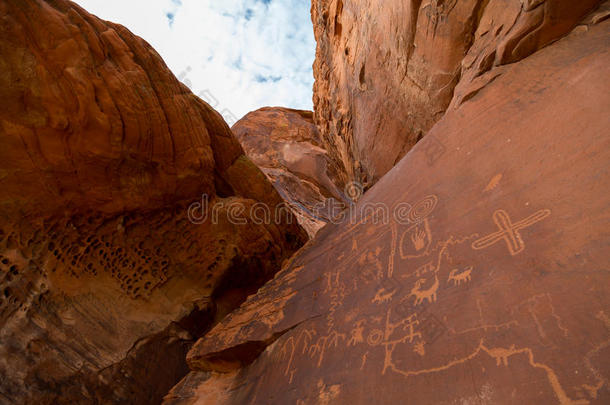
x=509 y=232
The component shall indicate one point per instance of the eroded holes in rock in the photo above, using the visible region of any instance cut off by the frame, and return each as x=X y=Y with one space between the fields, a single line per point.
x=338 y=26
x=13 y=270
x=4 y=261
x=361 y=76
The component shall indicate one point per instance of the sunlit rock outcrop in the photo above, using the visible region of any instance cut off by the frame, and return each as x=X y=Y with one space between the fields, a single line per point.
x=386 y=70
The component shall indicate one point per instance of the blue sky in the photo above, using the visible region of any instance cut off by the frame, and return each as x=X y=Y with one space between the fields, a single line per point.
x=239 y=55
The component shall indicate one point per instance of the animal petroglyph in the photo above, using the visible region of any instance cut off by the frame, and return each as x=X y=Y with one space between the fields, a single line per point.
x=459 y=277
x=383 y=296
x=501 y=356
x=428 y=294
x=509 y=232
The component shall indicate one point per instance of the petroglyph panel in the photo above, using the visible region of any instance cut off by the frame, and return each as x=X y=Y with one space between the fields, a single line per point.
x=493 y=289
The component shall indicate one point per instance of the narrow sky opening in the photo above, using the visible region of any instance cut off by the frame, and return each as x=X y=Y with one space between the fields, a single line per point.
x=238 y=55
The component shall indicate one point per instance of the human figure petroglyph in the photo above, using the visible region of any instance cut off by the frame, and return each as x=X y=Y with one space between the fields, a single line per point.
x=428 y=294
x=509 y=232
x=459 y=277
x=310 y=344
x=357 y=334
x=323 y=343
x=289 y=347
x=363 y=360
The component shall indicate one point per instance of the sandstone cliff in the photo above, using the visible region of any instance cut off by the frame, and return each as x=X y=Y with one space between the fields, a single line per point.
x=386 y=71
x=104 y=280
x=486 y=283
x=286 y=145
x=473 y=271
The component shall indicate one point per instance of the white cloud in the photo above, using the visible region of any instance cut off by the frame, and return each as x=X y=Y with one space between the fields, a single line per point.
x=246 y=54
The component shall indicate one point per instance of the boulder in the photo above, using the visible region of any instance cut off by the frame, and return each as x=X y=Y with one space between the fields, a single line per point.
x=285 y=144
x=125 y=222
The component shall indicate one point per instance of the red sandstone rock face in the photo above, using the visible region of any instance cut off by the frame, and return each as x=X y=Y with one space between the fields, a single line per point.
x=490 y=286
x=386 y=70
x=285 y=145
x=104 y=280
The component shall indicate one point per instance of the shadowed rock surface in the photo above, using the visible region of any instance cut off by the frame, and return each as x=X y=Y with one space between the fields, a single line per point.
x=104 y=280
x=285 y=145
x=491 y=288
x=386 y=71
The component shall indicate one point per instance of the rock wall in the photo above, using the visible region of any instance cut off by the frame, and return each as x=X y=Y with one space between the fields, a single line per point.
x=485 y=283
x=109 y=268
x=386 y=71
x=286 y=146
